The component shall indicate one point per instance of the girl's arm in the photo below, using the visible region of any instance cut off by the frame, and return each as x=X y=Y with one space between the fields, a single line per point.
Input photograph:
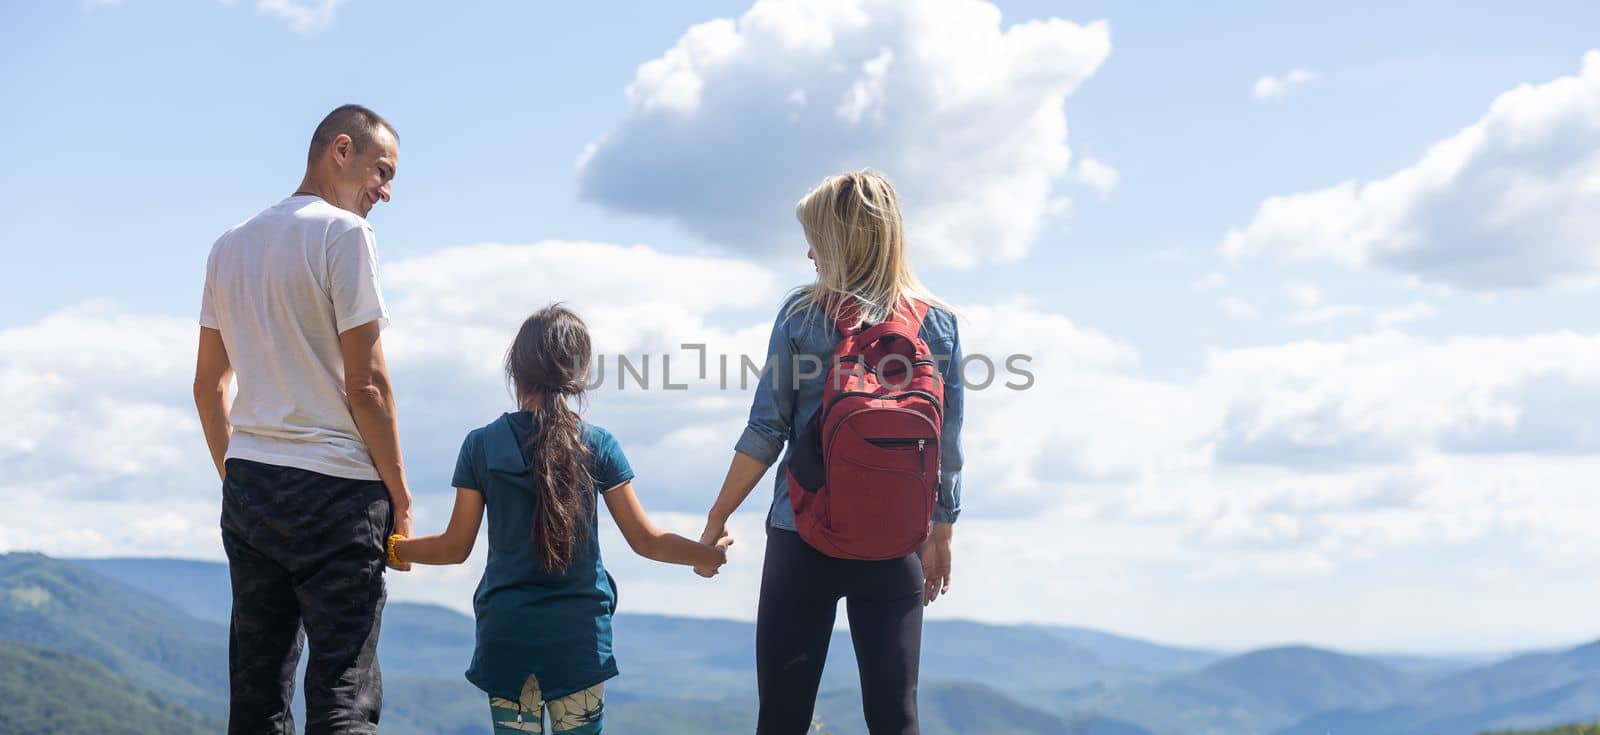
x=455 y=544
x=653 y=543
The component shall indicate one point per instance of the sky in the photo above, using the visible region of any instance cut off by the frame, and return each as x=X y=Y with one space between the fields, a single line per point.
x=1309 y=293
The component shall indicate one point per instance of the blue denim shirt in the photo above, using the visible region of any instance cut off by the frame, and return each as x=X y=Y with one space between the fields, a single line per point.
x=780 y=410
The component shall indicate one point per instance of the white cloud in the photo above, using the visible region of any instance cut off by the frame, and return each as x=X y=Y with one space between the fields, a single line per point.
x=1098 y=176
x=1238 y=309
x=98 y=433
x=729 y=127
x=1304 y=295
x=1328 y=313
x=1304 y=465
x=1386 y=398
x=866 y=93
x=1415 y=311
x=1210 y=281
x=1511 y=201
x=1311 y=309
x=1269 y=87
x=305 y=17
x=1168 y=256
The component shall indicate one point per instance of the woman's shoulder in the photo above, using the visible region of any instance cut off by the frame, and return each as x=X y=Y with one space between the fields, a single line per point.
x=939 y=325
x=800 y=314
x=941 y=316
x=798 y=302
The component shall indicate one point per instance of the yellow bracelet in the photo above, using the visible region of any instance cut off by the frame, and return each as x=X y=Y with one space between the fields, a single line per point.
x=394 y=560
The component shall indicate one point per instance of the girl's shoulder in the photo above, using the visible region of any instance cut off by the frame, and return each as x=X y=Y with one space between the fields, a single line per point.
x=475 y=437
x=504 y=423
x=597 y=437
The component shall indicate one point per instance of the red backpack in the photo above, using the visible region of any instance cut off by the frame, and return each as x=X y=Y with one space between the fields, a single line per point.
x=864 y=475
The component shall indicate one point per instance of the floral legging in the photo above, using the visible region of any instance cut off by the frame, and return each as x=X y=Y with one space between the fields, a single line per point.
x=578 y=713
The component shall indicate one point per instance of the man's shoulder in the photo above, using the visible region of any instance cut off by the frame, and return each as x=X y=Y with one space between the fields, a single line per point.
x=296 y=213
x=344 y=219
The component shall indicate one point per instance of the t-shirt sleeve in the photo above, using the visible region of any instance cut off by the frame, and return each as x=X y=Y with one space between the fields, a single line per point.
x=466 y=475
x=208 y=305
x=353 y=280
x=208 y=309
x=610 y=466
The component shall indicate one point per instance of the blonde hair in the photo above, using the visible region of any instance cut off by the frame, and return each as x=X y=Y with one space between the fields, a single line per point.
x=852 y=222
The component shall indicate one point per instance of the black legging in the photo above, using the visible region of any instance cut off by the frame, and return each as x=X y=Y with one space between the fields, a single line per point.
x=800 y=590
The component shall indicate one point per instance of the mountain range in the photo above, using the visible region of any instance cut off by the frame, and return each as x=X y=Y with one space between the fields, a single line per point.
x=158 y=626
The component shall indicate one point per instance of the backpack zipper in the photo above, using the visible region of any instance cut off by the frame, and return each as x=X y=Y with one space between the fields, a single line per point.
x=920 y=444
x=938 y=403
x=825 y=441
x=855 y=359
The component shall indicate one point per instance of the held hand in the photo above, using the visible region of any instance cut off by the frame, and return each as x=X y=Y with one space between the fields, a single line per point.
x=721 y=548
x=402 y=524
x=715 y=531
x=715 y=535
x=936 y=565
x=402 y=527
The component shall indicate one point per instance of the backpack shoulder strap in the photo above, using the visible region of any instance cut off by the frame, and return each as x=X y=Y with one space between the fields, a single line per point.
x=849 y=311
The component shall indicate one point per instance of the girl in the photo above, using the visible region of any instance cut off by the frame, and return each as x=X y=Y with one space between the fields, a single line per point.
x=544 y=604
x=852 y=223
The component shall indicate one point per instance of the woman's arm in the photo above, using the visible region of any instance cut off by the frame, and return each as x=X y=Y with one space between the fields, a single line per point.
x=455 y=544
x=653 y=543
x=743 y=474
x=771 y=422
x=936 y=554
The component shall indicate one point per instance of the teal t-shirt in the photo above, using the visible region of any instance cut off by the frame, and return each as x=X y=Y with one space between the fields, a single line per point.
x=556 y=626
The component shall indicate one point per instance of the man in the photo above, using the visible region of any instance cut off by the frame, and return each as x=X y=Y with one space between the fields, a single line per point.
x=308 y=451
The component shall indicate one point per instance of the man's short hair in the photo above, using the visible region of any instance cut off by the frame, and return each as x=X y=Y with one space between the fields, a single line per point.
x=358 y=122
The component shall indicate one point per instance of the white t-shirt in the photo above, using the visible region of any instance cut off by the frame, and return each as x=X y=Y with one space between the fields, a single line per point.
x=282 y=287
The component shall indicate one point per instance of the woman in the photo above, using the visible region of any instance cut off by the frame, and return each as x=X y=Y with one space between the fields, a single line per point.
x=852 y=224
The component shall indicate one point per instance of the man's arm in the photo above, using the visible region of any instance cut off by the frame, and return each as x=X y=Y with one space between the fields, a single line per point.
x=366 y=384
x=213 y=375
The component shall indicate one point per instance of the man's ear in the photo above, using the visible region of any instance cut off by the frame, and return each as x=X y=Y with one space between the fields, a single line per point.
x=343 y=148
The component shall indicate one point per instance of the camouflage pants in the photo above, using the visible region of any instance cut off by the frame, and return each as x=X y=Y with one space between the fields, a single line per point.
x=578 y=713
x=305 y=550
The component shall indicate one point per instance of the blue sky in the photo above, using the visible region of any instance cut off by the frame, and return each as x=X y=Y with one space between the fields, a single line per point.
x=1370 y=404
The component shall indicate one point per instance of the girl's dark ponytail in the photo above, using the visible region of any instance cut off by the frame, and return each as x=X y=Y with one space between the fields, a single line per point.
x=548 y=365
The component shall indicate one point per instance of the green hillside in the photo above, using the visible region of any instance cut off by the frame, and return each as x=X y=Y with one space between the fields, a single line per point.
x=679 y=674
x=1525 y=692
x=63 y=607
x=52 y=693
x=946 y=708
x=1254 y=693
x=1593 y=729
x=1032 y=664
x=154 y=624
